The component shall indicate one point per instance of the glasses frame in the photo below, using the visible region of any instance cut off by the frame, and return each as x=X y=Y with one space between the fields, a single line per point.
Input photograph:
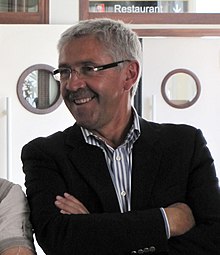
x=93 y=69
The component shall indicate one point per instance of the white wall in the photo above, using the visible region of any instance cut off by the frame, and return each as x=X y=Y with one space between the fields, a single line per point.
x=201 y=56
x=20 y=47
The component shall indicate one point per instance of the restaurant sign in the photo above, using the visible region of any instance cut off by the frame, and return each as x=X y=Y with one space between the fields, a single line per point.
x=138 y=6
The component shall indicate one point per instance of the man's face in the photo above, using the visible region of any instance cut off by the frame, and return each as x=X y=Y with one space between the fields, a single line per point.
x=98 y=101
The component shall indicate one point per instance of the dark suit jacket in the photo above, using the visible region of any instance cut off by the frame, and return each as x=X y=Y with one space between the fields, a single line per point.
x=171 y=163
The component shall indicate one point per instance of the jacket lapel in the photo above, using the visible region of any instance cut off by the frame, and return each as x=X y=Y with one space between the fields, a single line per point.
x=89 y=160
x=146 y=161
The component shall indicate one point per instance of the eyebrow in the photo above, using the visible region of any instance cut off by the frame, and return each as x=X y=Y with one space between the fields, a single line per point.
x=64 y=65
x=82 y=63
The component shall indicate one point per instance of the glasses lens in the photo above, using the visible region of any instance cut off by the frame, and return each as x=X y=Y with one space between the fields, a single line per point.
x=64 y=73
x=86 y=71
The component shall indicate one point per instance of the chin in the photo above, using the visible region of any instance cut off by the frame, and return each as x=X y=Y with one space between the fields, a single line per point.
x=86 y=124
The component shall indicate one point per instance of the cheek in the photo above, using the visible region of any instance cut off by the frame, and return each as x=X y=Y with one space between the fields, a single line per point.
x=63 y=90
x=109 y=95
x=111 y=86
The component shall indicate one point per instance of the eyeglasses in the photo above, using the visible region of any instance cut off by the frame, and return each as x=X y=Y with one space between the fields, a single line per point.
x=64 y=74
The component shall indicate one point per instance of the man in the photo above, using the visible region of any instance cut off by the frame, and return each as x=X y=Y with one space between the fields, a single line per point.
x=16 y=237
x=115 y=183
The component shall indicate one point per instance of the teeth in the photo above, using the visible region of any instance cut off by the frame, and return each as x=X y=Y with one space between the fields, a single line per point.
x=82 y=101
x=72 y=98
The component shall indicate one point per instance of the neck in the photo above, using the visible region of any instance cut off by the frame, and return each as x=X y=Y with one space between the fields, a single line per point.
x=115 y=135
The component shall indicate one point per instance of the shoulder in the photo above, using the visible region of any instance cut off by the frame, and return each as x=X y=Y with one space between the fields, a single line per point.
x=168 y=128
x=5 y=187
x=55 y=138
x=10 y=191
x=14 y=209
x=170 y=134
x=55 y=144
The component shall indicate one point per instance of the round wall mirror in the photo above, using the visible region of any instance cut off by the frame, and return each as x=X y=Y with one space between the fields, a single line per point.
x=37 y=90
x=180 y=88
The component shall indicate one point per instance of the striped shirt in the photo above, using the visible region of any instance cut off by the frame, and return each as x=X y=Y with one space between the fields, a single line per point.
x=119 y=161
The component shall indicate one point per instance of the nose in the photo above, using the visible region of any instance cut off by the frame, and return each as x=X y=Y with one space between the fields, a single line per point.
x=74 y=82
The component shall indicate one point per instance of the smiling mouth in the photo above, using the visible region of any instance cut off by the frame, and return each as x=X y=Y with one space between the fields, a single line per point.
x=82 y=100
x=79 y=101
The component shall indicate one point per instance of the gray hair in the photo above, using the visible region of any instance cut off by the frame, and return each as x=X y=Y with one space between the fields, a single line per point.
x=119 y=40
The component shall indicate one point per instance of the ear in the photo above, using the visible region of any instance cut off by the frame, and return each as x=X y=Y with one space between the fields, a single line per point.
x=132 y=72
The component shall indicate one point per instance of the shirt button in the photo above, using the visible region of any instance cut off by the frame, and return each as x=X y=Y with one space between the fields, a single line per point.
x=118 y=158
x=146 y=250
x=123 y=193
x=152 y=249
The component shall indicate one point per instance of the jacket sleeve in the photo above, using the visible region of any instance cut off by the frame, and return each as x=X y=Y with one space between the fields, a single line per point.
x=203 y=197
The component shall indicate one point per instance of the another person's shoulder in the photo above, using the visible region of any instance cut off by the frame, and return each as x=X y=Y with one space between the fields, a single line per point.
x=15 y=229
x=10 y=189
x=5 y=187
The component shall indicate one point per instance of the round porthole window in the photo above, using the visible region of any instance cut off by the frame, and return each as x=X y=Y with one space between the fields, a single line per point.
x=37 y=89
x=180 y=88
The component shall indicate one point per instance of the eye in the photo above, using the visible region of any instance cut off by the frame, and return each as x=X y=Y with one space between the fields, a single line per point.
x=65 y=73
x=87 y=70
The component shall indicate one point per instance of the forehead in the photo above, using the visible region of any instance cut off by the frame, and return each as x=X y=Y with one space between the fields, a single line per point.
x=83 y=49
